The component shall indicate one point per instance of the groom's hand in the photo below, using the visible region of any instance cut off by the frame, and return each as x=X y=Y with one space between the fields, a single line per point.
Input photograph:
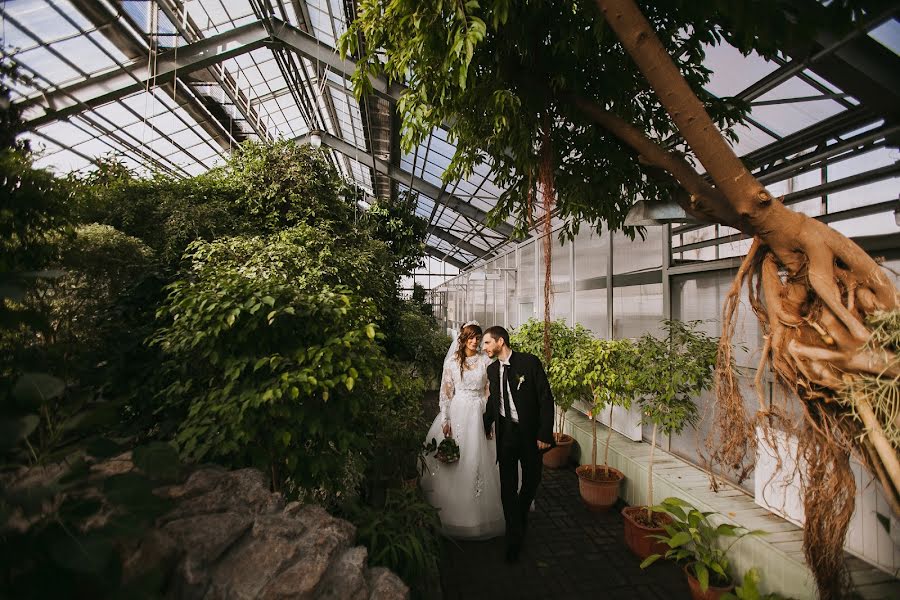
x=542 y=445
x=490 y=433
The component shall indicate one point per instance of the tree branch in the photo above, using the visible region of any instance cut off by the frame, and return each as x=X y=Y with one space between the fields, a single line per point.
x=704 y=201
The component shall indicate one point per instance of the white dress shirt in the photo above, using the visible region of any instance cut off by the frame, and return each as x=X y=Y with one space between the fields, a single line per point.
x=504 y=364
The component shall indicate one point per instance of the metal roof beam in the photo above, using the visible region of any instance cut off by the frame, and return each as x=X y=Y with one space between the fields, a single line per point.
x=101 y=89
x=461 y=243
x=429 y=189
x=445 y=257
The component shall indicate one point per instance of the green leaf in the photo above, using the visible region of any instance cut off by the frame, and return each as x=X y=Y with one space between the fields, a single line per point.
x=679 y=539
x=650 y=560
x=13 y=431
x=35 y=389
x=702 y=575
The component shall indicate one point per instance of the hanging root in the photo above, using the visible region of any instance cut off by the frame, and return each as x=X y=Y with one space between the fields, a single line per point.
x=731 y=443
x=828 y=501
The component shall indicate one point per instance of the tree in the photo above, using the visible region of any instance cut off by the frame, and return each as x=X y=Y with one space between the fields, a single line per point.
x=597 y=83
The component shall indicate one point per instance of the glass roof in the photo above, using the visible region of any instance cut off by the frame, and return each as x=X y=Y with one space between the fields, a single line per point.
x=134 y=79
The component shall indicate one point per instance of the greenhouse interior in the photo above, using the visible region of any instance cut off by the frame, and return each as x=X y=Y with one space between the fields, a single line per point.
x=422 y=299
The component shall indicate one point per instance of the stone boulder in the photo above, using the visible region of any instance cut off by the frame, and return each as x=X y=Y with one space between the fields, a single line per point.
x=228 y=537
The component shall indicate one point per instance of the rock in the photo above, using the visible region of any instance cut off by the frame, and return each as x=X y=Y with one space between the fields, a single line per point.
x=325 y=537
x=229 y=538
x=384 y=585
x=156 y=551
x=346 y=578
x=212 y=491
x=205 y=538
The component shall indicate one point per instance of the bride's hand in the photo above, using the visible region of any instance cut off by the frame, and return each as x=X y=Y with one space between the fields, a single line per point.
x=448 y=431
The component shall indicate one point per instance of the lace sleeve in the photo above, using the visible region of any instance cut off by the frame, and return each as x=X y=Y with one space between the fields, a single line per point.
x=448 y=387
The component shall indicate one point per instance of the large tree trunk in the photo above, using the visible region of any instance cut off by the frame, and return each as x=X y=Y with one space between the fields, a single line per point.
x=818 y=287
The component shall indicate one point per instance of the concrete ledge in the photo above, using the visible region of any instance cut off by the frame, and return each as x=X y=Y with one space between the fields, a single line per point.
x=778 y=555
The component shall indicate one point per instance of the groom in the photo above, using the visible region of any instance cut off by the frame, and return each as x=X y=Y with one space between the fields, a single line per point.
x=520 y=405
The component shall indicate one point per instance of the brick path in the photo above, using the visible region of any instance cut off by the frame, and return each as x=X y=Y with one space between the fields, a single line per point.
x=570 y=553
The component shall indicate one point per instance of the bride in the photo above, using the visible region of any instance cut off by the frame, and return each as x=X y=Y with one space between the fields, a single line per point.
x=466 y=492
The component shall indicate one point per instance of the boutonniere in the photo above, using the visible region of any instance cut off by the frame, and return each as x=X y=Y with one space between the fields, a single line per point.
x=521 y=381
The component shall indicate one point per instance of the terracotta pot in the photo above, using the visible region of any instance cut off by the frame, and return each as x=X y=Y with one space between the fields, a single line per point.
x=712 y=592
x=598 y=494
x=558 y=457
x=636 y=533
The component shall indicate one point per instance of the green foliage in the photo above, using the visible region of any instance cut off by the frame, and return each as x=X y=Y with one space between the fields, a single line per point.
x=501 y=71
x=403 y=536
x=396 y=425
x=691 y=535
x=415 y=338
x=672 y=371
x=750 y=589
x=283 y=184
x=605 y=368
x=165 y=213
x=564 y=342
x=396 y=224
x=264 y=359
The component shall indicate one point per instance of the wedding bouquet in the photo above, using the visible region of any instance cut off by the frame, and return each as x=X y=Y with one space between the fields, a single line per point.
x=447 y=451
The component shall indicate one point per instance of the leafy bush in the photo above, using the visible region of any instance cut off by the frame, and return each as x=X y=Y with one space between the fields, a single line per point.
x=564 y=341
x=264 y=361
x=750 y=589
x=416 y=339
x=283 y=184
x=404 y=536
x=395 y=422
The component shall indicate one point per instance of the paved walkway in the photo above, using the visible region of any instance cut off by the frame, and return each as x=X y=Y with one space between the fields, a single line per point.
x=569 y=553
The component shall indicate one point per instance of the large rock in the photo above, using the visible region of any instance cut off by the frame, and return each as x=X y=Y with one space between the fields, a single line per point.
x=228 y=538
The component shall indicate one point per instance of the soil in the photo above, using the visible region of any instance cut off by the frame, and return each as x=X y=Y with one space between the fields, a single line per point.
x=641 y=518
x=601 y=475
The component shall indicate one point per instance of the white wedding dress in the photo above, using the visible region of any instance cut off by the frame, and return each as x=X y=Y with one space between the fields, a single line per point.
x=467 y=493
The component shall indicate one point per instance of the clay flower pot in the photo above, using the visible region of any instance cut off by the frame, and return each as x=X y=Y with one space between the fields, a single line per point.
x=712 y=592
x=637 y=532
x=601 y=492
x=558 y=456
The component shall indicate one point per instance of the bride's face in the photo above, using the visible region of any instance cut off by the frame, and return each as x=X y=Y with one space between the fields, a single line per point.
x=472 y=344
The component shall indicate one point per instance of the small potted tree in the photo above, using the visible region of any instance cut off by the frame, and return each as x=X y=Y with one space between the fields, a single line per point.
x=671 y=372
x=529 y=337
x=604 y=368
x=691 y=536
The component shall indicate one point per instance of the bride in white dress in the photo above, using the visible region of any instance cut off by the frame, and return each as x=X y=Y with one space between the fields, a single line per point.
x=467 y=492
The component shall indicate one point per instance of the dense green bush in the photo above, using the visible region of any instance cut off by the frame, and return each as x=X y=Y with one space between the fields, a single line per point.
x=396 y=426
x=264 y=359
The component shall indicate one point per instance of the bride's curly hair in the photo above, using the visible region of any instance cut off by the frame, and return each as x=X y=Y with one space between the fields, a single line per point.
x=465 y=334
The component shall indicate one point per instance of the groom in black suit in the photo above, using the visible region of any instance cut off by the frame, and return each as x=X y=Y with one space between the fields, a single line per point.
x=520 y=408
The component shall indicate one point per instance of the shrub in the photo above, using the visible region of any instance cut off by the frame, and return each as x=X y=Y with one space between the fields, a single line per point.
x=265 y=360
x=404 y=536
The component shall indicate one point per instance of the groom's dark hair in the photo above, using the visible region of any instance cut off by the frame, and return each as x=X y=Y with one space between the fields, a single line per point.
x=498 y=332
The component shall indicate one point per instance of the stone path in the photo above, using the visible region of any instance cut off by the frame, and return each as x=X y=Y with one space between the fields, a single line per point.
x=569 y=553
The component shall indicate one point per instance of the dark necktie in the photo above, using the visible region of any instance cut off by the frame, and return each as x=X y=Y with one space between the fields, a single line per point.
x=504 y=392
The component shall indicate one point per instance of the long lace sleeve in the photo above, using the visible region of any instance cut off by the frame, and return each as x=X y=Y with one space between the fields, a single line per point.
x=448 y=387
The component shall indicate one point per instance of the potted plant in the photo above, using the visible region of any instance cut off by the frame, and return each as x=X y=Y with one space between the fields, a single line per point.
x=529 y=337
x=603 y=368
x=691 y=536
x=671 y=371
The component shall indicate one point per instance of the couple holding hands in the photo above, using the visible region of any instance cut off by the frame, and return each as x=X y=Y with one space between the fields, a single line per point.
x=497 y=404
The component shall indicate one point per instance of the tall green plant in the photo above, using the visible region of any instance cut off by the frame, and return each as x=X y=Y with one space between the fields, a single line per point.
x=606 y=369
x=564 y=340
x=264 y=359
x=672 y=371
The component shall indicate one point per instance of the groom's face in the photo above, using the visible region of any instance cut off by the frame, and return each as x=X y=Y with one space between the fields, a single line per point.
x=493 y=346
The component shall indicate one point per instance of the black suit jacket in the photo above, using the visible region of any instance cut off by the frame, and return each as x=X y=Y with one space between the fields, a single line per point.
x=530 y=391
